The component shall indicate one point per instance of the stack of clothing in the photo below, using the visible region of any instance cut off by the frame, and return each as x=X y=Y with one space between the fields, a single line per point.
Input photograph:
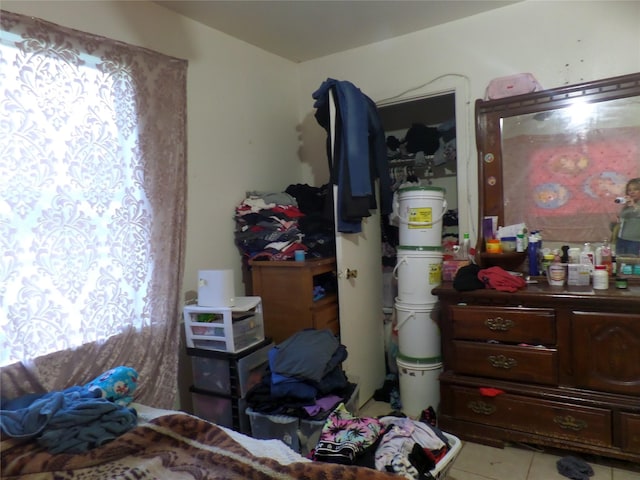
x=267 y=226
x=317 y=223
x=305 y=378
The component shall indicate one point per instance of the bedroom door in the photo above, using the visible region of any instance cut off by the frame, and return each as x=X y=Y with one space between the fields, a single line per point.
x=358 y=260
x=360 y=303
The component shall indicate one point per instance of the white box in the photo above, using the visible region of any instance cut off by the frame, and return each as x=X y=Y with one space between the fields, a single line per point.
x=215 y=288
x=579 y=274
x=225 y=329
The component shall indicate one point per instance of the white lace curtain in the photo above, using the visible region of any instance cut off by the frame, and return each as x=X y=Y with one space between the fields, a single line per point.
x=92 y=209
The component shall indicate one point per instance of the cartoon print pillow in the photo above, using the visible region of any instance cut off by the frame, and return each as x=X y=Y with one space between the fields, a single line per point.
x=116 y=385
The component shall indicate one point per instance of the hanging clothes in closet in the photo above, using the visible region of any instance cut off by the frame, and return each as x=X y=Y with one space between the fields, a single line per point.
x=360 y=153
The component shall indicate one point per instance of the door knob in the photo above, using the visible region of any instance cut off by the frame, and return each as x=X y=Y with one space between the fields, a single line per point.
x=352 y=273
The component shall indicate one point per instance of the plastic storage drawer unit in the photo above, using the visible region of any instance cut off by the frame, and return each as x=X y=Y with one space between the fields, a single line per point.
x=225 y=329
x=229 y=373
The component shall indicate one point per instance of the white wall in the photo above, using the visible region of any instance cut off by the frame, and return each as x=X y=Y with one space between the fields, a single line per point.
x=560 y=42
x=241 y=113
x=248 y=131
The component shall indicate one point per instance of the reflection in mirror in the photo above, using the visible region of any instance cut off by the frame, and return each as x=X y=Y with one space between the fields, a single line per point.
x=557 y=160
x=564 y=168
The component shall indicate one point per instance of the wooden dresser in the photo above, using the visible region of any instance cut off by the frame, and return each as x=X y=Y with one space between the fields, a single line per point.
x=545 y=365
x=287 y=291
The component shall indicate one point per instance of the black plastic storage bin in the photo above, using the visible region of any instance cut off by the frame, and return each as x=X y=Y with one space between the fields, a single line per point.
x=223 y=410
x=229 y=374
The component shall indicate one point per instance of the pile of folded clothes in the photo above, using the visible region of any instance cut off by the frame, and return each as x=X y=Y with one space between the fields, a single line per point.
x=272 y=226
x=267 y=226
x=305 y=378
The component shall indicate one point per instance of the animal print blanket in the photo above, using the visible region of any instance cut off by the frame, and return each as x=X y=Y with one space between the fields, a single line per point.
x=175 y=446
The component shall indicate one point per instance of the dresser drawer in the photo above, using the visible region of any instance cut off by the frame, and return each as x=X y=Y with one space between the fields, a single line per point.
x=522 y=364
x=630 y=424
x=531 y=415
x=506 y=324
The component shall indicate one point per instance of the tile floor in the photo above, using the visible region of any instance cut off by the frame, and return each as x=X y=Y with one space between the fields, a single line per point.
x=480 y=462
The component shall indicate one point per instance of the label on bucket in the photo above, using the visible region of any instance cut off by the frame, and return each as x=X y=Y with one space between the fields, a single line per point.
x=420 y=215
x=435 y=273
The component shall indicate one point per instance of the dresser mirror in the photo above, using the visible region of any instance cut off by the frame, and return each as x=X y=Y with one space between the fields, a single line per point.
x=558 y=159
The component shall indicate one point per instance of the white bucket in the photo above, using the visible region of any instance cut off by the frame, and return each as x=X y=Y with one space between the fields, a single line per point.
x=418 y=332
x=418 y=270
x=419 y=384
x=420 y=211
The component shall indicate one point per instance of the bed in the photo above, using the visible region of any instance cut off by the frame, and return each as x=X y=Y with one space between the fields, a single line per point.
x=170 y=444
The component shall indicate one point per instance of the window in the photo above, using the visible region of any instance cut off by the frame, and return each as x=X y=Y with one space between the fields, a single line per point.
x=92 y=186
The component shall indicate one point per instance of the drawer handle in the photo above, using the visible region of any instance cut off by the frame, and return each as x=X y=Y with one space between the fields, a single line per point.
x=498 y=324
x=500 y=361
x=478 y=406
x=570 y=423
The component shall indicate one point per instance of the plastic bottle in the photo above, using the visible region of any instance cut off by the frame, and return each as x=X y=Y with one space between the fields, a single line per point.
x=534 y=271
x=600 y=278
x=465 y=247
x=586 y=256
x=606 y=257
x=520 y=242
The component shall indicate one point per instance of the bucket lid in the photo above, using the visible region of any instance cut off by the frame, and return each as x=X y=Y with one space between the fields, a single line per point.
x=427 y=361
x=416 y=188
x=419 y=248
x=414 y=307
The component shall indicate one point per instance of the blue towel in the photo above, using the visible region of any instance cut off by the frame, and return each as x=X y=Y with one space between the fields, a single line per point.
x=72 y=420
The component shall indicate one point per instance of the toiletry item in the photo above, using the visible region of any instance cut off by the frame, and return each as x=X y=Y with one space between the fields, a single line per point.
x=606 y=257
x=463 y=252
x=508 y=244
x=578 y=274
x=586 y=256
x=520 y=242
x=493 y=246
x=534 y=271
x=621 y=282
x=556 y=274
x=547 y=259
x=600 y=278
x=574 y=255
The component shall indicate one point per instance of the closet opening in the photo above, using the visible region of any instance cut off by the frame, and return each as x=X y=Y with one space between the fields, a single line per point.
x=422 y=149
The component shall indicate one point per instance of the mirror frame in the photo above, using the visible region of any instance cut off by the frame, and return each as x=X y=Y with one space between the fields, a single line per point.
x=489 y=116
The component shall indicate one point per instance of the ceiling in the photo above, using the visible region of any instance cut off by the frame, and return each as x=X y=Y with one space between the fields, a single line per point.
x=302 y=30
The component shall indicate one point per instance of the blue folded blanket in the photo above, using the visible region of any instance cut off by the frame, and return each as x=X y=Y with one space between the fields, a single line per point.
x=72 y=420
